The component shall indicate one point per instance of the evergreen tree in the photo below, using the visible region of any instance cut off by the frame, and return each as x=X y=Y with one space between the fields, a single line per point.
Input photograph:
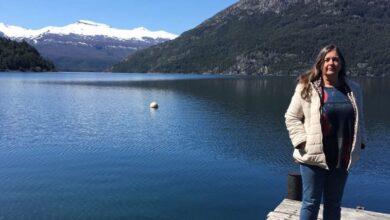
x=20 y=56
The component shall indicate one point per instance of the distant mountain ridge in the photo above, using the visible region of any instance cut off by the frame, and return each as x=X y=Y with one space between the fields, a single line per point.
x=279 y=37
x=85 y=28
x=86 y=45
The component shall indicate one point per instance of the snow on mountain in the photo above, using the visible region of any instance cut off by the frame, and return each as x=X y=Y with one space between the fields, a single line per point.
x=85 y=28
x=86 y=45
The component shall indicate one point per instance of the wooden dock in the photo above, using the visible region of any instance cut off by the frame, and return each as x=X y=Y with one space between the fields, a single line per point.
x=289 y=209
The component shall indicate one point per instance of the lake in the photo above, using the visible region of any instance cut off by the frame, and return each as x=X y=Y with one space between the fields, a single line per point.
x=87 y=146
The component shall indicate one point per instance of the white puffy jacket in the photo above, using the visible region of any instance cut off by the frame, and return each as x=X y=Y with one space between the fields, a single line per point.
x=304 y=125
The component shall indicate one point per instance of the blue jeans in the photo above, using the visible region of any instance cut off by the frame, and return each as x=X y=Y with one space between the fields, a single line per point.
x=316 y=182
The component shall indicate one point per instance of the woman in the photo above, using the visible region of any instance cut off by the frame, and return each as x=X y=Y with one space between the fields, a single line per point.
x=326 y=127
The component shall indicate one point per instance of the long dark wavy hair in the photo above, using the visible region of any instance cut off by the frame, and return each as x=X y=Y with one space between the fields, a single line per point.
x=315 y=72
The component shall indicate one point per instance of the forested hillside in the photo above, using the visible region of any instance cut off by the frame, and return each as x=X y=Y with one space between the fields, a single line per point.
x=278 y=37
x=20 y=56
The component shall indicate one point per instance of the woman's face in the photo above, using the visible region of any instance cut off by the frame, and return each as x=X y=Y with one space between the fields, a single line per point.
x=332 y=64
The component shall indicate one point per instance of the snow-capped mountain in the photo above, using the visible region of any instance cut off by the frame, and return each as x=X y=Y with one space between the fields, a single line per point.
x=85 y=28
x=86 y=45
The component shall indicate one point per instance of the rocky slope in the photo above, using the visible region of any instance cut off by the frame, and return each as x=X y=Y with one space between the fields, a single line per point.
x=280 y=37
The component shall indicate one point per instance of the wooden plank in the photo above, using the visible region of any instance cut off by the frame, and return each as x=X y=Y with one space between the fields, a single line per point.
x=356 y=214
x=281 y=216
x=289 y=210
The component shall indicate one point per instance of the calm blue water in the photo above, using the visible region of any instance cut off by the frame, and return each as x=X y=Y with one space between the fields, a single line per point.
x=87 y=146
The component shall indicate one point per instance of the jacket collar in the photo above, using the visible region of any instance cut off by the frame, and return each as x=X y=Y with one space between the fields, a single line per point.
x=318 y=85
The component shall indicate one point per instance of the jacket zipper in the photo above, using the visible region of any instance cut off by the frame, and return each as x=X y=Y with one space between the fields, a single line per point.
x=320 y=96
x=351 y=97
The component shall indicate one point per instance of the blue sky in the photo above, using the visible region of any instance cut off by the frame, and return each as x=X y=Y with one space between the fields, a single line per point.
x=175 y=16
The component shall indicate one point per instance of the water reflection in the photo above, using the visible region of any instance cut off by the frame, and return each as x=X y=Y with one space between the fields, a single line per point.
x=240 y=117
x=247 y=110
